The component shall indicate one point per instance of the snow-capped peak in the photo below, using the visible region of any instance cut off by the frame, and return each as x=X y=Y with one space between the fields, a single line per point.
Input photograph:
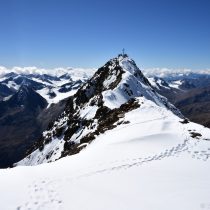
x=101 y=104
x=125 y=62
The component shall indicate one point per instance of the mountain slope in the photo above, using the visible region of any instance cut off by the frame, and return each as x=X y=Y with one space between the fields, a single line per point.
x=18 y=124
x=5 y=91
x=195 y=104
x=189 y=93
x=141 y=153
x=152 y=159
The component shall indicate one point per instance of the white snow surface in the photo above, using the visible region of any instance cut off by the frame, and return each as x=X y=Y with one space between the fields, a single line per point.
x=151 y=163
x=152 y=82
x=59 y=96
x=175 y=84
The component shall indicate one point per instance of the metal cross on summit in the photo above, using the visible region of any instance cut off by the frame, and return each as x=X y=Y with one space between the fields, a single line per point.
x=123 y=51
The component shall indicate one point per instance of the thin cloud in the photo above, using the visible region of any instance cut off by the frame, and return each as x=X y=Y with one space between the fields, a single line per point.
x=34 y=70
x=166 y=72
x=151 y=72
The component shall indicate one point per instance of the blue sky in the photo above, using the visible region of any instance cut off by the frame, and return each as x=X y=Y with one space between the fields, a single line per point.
x=85 y=33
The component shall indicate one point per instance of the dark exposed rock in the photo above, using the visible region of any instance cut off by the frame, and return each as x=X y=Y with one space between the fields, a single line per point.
x=70 y=148
x=94 y=86
x=195 y=134
x=51 y=94
x=184 y=121
x=106 y=121
x=5 y=91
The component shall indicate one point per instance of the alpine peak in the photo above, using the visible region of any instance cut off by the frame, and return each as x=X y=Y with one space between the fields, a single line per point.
x=101 y=104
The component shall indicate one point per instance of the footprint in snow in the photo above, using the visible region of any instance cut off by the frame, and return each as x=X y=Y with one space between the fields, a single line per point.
x=42 y=196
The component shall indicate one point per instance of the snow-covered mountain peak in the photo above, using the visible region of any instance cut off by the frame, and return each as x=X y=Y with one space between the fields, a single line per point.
x=23 y=93
x=125 y=62
x=27 y=96
x=101 y=104
x=120 y=80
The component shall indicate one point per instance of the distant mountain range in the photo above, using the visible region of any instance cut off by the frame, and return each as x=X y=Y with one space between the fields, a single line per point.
x=190 y=93
x=28 y=103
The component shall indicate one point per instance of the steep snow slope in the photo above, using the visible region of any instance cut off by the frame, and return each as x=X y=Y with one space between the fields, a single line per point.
x=152 y=163
x=99 y=105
